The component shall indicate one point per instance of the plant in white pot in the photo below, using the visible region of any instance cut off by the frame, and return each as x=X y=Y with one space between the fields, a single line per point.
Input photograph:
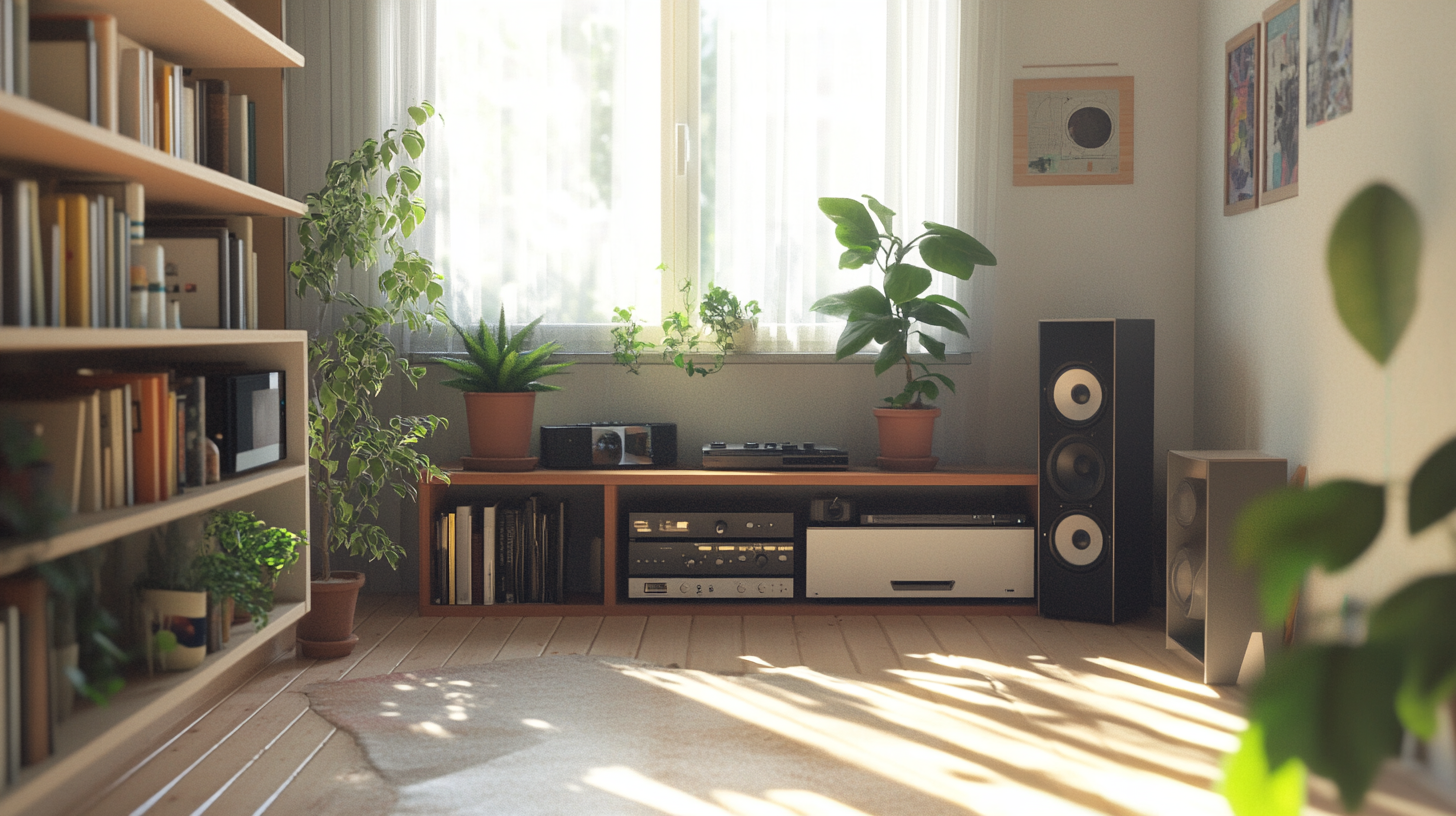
x=354 y=452
x=896 y=313
x=500 y=378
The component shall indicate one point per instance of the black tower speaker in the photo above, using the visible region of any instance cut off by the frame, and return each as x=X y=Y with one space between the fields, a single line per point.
x=1096 y=520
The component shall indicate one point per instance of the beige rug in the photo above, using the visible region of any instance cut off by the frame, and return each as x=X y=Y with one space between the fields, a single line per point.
x=585 y=735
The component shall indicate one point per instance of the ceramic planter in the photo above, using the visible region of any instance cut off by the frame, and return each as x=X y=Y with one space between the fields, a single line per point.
x=906 y=435
x=500 y=424
x=184 y=616
x=327 y=631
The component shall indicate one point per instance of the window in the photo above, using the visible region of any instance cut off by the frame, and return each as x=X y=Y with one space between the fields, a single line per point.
x=586 y=142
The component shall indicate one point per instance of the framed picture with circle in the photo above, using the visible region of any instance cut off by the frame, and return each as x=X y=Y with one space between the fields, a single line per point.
x=1077 y=130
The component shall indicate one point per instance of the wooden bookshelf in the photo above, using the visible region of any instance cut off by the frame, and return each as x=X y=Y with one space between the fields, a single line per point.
x=621 y=490
x=92 y=746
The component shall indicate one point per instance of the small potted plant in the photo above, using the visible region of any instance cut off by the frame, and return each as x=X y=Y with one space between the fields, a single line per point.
x=173 y=602
x=894 y=314
x=721 y=315
x=500 y=378
x=246 y=561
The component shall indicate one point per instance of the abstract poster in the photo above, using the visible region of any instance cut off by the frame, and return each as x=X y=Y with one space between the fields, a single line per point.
x=1281 y=101
x=1330 y=62
x=1241 y=132
x=1072 y=131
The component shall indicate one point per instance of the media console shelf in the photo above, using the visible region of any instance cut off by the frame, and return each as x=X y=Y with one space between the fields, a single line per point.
x=599 y=501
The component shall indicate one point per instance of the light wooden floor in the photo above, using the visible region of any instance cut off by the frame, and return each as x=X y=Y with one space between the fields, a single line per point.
x=261 y=750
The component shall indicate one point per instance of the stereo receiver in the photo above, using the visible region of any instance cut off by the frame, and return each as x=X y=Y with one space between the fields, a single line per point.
x=718 y=556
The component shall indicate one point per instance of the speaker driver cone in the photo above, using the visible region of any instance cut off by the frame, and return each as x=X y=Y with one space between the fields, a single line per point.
x=1075 y=395
x=1187 y=499
x=1076 y=469
x=1078 y=541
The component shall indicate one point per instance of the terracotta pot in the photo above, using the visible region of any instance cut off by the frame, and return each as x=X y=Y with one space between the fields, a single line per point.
x=500 y=424
x=327 y=630
x=906 y=435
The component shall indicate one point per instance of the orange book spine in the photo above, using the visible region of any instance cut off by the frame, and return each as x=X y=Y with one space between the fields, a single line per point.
x=77 y=263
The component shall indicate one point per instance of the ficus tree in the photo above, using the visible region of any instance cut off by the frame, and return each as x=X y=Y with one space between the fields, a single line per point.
x=358 y=220
x=1339 y=709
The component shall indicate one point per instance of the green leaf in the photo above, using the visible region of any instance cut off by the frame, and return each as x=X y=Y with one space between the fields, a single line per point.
x=953 y=252
x=1331 y=706
x=1252 y=789
x=1417 y=620
x=853 y=226
x=856 y=258
x=866 y=300
x=1373 y=256
x=1433 y=488
x=885 y=214
x=856 y=335
x=1289 y=530
x=945 y=301
x=935 y=347
x=891 y=353
x=414 y=143
x=905 y=282
x=936 y=315
x=418 y=114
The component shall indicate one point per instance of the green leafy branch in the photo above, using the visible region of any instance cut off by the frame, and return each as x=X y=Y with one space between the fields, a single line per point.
x=355 y=452
x=721 y=316
x=1338 y=709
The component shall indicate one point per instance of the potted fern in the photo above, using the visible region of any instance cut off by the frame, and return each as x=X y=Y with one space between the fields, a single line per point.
x=500 y=378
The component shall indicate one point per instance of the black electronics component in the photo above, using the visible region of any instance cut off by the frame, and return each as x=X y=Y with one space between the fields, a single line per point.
x=609 y=445
x=774 y=456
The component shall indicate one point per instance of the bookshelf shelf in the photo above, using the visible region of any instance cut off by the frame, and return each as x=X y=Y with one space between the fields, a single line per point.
x=86 y=530
x=624 y=491
x=94 y=736
x=33 y=134
x=196 y=33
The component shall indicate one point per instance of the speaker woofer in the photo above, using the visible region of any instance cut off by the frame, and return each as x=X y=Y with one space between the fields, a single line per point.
x=1078 y=541
x=1186 y=501
x=1076 y=469
x=1188 y=582
x=1075 y=395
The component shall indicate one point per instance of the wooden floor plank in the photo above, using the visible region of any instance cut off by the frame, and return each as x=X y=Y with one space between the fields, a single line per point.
x=437 y=647
x=574 y=636
x=715 y=644
x=770 y=638
x=872 y=654
x=401 y=640
x=335 y=781
x=619 y=636
x=529 y=638
x=367 y=603
x=255 y=782
x=821 y=644
x=665 y=640
x=484 y=641
x=959 y=637
x=914 y=644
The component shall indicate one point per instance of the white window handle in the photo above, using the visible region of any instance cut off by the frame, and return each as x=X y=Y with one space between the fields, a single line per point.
x=682 y=149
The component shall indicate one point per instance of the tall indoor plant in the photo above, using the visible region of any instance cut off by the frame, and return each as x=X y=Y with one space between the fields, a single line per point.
x=500 y=378
x=367 y=204
x=895 y=313
x=1339 y=708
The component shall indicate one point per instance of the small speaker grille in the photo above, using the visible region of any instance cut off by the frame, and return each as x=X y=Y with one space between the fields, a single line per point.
x=1075 y=395
x=1076 y=469
x=1078 y=541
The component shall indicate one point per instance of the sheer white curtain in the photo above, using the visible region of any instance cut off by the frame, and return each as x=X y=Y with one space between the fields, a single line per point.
x=544 y=179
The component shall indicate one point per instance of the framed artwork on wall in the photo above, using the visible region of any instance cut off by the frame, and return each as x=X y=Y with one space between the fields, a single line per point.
x=1241 y=122
x=1331 y=62
x=1077 y=130
x=1281 y=102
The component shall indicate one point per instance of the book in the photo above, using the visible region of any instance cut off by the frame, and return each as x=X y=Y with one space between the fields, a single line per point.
x=238 y=154
x=63 y=65
x=6 y=633
x=464 y=574
x=214 y=106
x=73 y=216
x=195 y=429
x=133 y=101
x=13 y=698
x=482 y=544
x=189 y=127
x=450 y=585
x=27 y=592
x=15 y=251
x=146 y=423
x=62 y=424
x=20 y=49
x=252 y=142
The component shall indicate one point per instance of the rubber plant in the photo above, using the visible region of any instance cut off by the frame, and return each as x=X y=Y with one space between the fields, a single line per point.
x=892 y=313
x=368 y=203
x=1339 y=708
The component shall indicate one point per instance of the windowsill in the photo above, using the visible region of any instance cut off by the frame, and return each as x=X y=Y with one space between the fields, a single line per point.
x=739 y=358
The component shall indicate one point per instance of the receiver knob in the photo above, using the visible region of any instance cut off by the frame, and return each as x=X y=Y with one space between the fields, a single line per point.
x=720 y=527
x=761 y=560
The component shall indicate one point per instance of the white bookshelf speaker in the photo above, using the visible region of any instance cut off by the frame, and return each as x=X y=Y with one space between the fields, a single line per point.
x=1213 y=604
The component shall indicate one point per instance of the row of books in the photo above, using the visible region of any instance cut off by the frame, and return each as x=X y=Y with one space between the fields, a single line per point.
x=83 y=65
x=35 y=693
x=501 y=552
x=115 y=439
x=83 y=254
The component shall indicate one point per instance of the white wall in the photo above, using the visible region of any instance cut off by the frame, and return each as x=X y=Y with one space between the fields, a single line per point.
x=1275 y=369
